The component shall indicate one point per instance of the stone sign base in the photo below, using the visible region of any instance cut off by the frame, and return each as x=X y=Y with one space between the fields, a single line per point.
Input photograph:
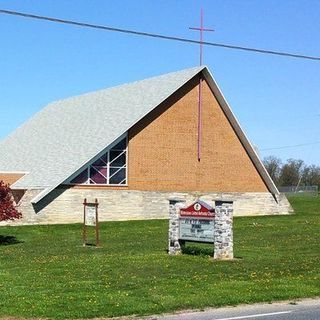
x=174 y=213
x=223 y=228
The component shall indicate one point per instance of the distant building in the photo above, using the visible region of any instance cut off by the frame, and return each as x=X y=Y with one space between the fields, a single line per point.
x=132 y=147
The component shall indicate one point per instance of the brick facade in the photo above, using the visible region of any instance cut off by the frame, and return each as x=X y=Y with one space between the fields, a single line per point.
x=10 y=178
x=163 y=149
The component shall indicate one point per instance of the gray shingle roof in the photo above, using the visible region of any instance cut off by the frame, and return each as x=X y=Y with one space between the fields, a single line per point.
x=66 y=134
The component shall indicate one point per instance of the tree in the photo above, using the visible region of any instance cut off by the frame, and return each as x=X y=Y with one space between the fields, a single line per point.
x=311 y=175
x=8 y=210
x=273 y=166
x=291 y=172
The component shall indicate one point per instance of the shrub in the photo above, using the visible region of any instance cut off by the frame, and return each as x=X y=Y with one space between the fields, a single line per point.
x=8 y=210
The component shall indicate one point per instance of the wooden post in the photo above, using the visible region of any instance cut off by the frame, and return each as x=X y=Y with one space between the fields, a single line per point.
x=90 y=218
x=84 y=231
x=97 y=224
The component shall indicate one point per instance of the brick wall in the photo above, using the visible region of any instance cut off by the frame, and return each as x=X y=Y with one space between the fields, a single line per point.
x=10 y=178
x=163 y=149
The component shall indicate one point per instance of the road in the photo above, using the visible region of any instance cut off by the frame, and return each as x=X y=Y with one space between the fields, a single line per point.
x=308 y=309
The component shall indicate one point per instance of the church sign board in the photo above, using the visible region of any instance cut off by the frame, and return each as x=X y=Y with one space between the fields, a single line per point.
x=196 y=223
x=90 y=218
x=90 y=214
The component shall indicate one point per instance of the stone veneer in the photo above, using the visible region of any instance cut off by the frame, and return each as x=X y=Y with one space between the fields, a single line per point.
x=223 y=230
x=66 y=204
x=175 y=205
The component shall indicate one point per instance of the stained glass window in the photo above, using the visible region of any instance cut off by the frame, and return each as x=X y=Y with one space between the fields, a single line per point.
x=110 y=168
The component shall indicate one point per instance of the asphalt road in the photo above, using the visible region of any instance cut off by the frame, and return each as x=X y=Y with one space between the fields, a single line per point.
x=298 y=310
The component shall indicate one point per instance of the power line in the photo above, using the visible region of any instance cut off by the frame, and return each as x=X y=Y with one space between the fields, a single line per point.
x=160 y=36
x=292 y=146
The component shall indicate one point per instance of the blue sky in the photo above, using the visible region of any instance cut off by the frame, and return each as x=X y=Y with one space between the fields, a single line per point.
x=276 y=99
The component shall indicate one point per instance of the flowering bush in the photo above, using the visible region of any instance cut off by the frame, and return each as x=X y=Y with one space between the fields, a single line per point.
x=8 y=210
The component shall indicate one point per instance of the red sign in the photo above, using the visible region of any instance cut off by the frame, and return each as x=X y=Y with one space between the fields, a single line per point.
x=198 y=209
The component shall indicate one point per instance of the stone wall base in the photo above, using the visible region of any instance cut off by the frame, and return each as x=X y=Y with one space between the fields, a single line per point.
x=65 y=205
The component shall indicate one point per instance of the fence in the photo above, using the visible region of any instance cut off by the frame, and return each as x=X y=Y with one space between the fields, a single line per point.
x=301 y=190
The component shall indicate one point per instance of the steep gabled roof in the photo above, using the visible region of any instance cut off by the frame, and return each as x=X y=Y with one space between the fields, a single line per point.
x=66 y=134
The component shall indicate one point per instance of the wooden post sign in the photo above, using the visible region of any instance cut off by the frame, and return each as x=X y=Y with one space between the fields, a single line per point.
x=90 y=218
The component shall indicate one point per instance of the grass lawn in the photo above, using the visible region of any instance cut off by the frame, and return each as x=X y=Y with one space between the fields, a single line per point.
x=45 y=271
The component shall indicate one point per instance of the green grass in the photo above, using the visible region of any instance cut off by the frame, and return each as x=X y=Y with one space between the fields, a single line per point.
x=45 y=272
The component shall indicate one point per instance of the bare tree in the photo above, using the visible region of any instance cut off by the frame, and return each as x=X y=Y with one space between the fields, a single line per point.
x=273 y=166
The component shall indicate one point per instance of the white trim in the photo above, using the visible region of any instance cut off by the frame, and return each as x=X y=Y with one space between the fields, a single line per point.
x=119 y=168
x=42 y=194
x=122 y=152
x=83 y=185
x=94 y=168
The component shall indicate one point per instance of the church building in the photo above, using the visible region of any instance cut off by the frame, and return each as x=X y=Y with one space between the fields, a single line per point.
x=133 y=147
